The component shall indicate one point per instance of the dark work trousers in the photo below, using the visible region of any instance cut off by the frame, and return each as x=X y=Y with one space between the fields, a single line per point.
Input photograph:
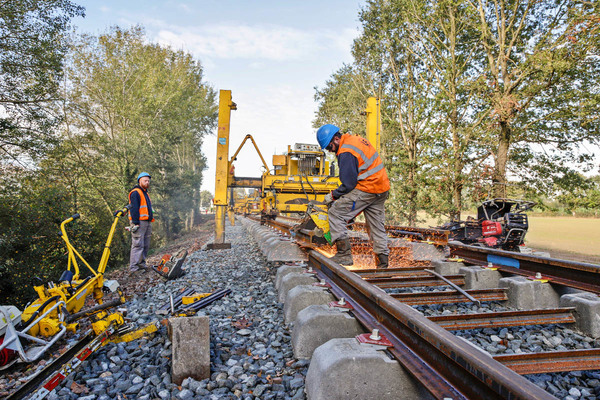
x=349 y=206
x=140 y=244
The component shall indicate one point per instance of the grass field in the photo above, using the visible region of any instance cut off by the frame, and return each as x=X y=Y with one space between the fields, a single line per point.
x=563 y=237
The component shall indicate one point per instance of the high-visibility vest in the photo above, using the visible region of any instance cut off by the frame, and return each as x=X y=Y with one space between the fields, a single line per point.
x=144 y=216
x=372 y=177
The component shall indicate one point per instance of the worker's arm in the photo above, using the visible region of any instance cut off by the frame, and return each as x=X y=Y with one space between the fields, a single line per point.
x=348 y=165
x=134 y=212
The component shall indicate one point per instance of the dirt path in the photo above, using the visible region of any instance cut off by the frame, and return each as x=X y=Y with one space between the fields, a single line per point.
x=141 y=281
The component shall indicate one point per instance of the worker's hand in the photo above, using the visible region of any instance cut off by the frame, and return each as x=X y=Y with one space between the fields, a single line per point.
x=328 y=198
x=134 y=228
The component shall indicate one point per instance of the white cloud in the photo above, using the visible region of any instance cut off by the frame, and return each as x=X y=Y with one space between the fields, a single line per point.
x=272 y=42
x=283 y=118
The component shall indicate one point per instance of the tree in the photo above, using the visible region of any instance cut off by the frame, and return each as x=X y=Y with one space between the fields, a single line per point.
x=384 y=67
x=206 y=198
x=134 y=106
x=474 y=91
x=32 y=50
x=541 y=68
x=342 y=100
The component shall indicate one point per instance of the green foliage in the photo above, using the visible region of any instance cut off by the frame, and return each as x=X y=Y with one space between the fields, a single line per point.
x=576 y=193
x=473 y=92
x=206 y=198
x=131 y=107
x=31 y=209
x=32 y=49
x=126 y=106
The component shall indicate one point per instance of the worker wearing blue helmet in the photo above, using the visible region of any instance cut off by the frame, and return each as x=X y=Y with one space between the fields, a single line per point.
x=364 y=189
x=140 y=222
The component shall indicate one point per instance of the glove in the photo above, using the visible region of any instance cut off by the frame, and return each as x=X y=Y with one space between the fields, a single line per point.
x=328 y=198
x=134 y=228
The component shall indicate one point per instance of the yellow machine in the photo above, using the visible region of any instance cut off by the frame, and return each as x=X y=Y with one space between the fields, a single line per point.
x=59 y=305
x=299 y=177
x=249 y=204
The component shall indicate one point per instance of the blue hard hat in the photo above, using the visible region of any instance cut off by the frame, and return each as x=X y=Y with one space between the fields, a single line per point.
x=143 y=174
x=325 y=134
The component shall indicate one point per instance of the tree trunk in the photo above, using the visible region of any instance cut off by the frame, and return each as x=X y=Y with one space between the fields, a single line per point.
x=499 y=178
x=412 y=198
x=456 y=200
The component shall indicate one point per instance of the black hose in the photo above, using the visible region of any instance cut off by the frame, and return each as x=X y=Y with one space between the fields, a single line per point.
x=311 y=186
x=40 y=308
x=81 y=284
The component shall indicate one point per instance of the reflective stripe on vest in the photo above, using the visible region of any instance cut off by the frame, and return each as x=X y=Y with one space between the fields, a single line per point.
x=143 y=205
x=372 y=177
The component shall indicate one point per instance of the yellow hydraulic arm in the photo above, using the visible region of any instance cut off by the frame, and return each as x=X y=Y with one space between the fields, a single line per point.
x=232 y=159
x=373 y=112
x=222 y=174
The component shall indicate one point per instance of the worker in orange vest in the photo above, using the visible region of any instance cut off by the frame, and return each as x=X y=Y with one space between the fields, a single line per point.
x=365 y=187
x=140 y=219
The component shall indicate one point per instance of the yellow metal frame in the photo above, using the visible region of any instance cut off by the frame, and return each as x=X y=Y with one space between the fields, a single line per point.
x=74 y=302
x=373 y=112
x=232 y=159
x=222 y=171
x=282 y=189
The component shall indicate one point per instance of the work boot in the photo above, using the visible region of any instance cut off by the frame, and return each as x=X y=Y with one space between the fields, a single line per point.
x=344 y=252
x=382 y=260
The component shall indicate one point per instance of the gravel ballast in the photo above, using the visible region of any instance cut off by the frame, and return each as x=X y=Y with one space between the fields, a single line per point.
x=250 y=349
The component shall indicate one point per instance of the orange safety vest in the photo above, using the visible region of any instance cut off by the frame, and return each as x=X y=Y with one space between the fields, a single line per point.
x=143 y=205
x=372 y=177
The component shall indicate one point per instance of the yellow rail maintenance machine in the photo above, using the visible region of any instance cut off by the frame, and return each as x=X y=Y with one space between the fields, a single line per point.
x=59 y=305
x=298 y=182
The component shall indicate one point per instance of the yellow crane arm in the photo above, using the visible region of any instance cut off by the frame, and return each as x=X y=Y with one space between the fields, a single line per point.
x=257 y=150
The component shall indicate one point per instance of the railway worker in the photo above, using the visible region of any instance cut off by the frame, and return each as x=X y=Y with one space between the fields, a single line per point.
x=140 y=219
x=364 y=188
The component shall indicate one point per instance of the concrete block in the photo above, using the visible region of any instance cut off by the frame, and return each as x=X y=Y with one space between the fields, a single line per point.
x=587 y=311
x=527 y=294
x=317 y=324
x=284 y=251
x=480 y=278
x=267 y=241
x=292 y=280
x=285 y=270
x=426 y=252
x=343 y=369
x=190 y=337
x=302 y=296
x=446 y=267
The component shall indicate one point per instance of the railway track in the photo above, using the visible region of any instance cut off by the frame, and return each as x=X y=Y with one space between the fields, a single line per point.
x=396 y=302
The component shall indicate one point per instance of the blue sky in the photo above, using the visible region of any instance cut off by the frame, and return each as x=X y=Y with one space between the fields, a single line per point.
x=270 y=54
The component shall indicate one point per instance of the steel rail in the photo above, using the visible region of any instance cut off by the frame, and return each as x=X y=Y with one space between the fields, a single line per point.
x=390 y=272
x=414 y=281
x=34 y=383
x=505 y=319
x=445 y=365
x=551 y=361
x=450 y=296
x=584 y=276
x=577 y=275
x=439 y=237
